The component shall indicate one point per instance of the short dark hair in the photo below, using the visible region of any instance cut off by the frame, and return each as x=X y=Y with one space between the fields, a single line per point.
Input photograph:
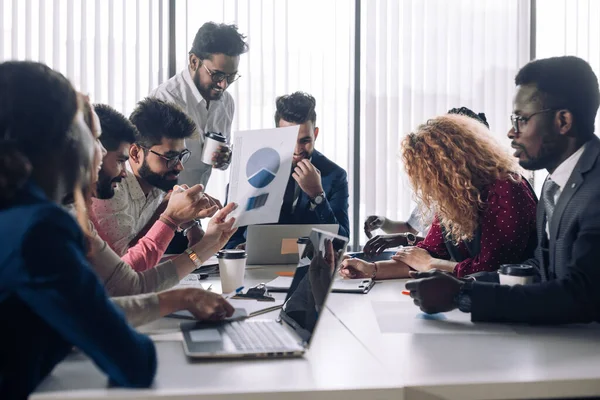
x=156 y=119
x=297 y=107
x=213 y=38
x=37 y=108
x=565 y=82
x=470 y=113
x=116 y=128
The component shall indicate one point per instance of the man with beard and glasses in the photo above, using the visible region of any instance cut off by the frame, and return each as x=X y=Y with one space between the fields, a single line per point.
x=155 y=160
x=118 y=134
x=554 y=112
x=200 y=90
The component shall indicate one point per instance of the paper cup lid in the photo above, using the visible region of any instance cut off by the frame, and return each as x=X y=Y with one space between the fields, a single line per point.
x=215 y=136
x=517 y=270
x=231 y=254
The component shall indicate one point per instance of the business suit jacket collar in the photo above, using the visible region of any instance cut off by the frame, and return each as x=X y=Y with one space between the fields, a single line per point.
x=585 y=164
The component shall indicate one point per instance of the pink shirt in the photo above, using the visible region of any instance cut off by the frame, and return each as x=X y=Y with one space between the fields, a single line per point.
x=149 y=249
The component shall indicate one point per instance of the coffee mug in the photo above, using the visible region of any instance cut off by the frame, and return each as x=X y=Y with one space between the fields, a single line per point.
x=232 y=266
x=516 y=274
x=212 y=142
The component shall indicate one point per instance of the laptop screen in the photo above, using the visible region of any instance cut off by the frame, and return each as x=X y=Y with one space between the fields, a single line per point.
x=312 y=282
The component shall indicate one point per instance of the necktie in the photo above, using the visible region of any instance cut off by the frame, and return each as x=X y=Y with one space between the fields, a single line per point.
x=288 y=199
x=548 y=193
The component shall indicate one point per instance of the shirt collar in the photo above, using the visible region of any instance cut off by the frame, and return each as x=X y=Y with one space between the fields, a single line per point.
x=135 y=190
x=188 y=80
x=562 y=173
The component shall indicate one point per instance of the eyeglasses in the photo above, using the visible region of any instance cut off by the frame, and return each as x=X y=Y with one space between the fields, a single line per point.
x=218 y=77
x=174 y=160
x=519 y=120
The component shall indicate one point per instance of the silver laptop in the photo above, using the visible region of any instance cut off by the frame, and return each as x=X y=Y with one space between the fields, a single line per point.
x=291 y=333
x=276 y=244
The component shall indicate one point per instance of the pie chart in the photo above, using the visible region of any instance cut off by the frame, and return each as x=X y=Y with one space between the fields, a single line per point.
x=262 y=167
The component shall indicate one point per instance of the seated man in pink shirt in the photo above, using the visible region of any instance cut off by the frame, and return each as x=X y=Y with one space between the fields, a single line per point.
x=118 y=134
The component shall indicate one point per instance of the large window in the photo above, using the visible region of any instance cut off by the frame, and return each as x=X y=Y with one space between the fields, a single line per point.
x=418 y=58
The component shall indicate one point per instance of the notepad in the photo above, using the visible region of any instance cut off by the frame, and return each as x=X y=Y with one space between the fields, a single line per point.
x=340 y=285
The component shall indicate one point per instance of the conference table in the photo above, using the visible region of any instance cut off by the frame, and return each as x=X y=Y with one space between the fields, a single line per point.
x=367 y=346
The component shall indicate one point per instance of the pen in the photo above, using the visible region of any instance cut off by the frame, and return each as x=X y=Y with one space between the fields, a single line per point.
x=236 y=292
x=406 y=292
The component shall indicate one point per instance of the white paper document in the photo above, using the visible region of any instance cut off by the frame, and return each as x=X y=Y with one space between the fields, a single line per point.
x=260 y=169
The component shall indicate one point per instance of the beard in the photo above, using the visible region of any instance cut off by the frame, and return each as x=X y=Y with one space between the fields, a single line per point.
x=207 y=90
x=545 y=159
x=157 y=180
x=104 y=188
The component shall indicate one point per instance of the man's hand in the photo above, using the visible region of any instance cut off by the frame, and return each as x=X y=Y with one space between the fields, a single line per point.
x=186 y=205
x=222 y=158
x=213 y=201
x=218 y=232
x=241 y=246
x=308 y=178
x=434 y=291
x=379 y=243
x=354 y=268
x=373 y=223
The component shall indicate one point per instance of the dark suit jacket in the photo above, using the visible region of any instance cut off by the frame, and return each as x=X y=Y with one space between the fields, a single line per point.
x=334 y=210
x=568 y=261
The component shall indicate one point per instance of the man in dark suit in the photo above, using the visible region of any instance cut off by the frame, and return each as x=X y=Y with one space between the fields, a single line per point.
x=553 y=128
x=317 y=190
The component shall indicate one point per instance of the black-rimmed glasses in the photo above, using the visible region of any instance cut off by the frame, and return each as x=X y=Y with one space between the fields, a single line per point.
x=218 y=77
x=173 y=160
x=518 y=120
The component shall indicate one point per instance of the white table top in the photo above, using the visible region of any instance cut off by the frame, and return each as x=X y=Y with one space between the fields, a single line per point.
x=351 y=358
x=322 y=373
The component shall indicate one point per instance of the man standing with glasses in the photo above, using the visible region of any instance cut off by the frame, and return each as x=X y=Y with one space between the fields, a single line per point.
x=200 y=90
x=155 y=161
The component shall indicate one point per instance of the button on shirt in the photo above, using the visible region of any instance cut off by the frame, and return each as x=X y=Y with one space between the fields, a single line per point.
x=120 y=219
x=561 y=176
x=181 y=90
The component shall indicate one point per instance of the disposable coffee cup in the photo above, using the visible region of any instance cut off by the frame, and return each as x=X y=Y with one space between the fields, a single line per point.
x=516 y=274
x=212 y=142
x=302 y=242
x=232 y=266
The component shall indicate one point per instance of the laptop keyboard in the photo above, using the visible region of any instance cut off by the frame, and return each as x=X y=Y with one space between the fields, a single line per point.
x=259 y=335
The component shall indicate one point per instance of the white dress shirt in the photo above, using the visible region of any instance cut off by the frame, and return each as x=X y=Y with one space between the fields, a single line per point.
x=420 y=222
x=120 y=219
x=181 y=90
x=561 y=175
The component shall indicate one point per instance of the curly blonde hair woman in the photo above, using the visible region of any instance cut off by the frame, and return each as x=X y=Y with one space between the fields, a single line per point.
x=485 y=211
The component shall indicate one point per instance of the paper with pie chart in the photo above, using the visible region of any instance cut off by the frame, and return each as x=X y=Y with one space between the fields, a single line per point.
x=260 y=169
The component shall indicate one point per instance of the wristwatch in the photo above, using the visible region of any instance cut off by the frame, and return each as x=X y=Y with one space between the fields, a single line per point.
x=318 y=199
x=411 y=239
x=463 y=298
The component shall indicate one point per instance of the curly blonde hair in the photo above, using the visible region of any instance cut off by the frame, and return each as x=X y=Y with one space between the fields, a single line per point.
x=449 y=161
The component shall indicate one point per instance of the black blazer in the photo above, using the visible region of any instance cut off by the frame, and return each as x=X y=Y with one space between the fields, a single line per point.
x=568 y=261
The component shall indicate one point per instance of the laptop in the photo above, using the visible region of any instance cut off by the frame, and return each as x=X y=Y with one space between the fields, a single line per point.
x=276 y=244
x=291 y=333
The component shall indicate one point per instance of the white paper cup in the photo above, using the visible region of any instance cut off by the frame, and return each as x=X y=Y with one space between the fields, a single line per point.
x=302 y=242
x=516 y=274
x=212 y=142
x=232 y=266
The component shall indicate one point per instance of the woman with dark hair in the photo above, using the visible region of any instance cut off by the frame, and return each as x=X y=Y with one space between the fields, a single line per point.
x=50 y=299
